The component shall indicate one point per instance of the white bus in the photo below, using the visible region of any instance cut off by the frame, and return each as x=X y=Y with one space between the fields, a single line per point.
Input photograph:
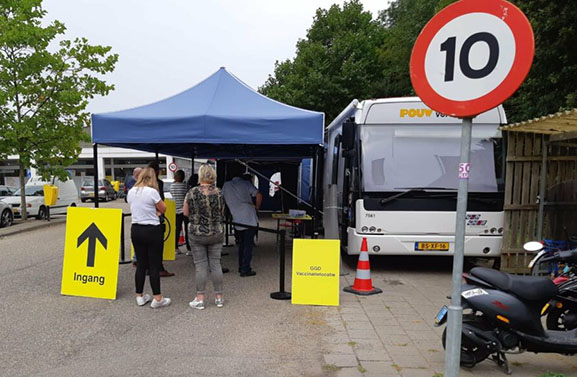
x=390 y=176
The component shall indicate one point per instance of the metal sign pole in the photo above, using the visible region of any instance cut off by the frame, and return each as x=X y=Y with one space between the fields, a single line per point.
x=454 y=326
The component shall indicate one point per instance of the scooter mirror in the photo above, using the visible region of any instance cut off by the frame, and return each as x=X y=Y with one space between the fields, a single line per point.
x=533 y=246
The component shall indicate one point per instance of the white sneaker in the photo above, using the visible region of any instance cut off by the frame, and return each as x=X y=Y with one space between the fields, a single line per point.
x=196 y=304
x=142 y=300
x=219 y=302
x=189 y=253
x=160 y=304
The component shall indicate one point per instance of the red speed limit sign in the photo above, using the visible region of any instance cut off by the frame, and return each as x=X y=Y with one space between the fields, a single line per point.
x=472 y=56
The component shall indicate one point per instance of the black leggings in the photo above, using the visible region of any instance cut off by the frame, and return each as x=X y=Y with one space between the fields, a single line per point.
x=147 y=241
x=180 y=218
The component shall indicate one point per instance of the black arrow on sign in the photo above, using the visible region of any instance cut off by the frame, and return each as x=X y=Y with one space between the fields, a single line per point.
x=92 y=233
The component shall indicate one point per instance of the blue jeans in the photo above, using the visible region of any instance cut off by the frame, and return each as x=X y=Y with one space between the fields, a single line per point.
x=245 y=239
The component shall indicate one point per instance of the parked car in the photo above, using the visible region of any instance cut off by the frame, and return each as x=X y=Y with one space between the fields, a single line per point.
x=6 y=214
x=6 y=191
x=34 y=191
x=105 y=190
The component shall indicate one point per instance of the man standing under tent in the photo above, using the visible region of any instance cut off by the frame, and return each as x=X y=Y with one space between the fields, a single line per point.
x=178 y=191
x=238 y=195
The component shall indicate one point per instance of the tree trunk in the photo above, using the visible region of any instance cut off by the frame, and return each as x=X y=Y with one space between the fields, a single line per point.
x=23 y=209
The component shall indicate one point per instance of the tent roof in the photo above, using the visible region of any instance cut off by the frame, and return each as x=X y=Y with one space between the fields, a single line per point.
x=562 y=125
x=219 y=117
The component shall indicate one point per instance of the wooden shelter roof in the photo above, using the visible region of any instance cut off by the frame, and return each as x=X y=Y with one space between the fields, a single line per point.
x=562 y=125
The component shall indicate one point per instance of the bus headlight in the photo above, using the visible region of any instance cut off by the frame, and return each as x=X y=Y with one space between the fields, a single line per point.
x=364 y=229
x=372 y=229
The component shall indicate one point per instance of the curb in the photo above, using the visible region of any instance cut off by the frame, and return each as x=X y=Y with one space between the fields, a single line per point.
x=41 y=224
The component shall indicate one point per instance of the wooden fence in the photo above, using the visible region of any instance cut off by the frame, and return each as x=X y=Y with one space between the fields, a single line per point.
x=523 y=164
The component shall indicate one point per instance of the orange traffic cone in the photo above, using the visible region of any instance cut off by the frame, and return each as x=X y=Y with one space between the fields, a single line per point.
x=363 y=283
x=181 y=240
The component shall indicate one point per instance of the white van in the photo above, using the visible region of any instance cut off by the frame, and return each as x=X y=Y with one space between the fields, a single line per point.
x=67 y=196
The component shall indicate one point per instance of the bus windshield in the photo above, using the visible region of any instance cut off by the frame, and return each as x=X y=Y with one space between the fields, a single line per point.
x=399 y=158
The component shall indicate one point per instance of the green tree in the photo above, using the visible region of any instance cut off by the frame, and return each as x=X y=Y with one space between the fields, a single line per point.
x=336 y=62
x=550 y=85
x=403 y=20
x=45 y=86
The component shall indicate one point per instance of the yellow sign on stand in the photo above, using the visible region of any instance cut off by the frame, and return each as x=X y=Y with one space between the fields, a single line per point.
x=90 y=266
x=169 y=251
x=169 y=230
x=315 y=277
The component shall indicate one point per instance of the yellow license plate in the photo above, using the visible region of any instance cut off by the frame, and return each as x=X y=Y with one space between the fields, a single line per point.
x=91 y=195
x=16 y=210
x=431 y=246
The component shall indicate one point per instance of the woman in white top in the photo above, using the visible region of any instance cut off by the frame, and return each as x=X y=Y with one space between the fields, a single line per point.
x=147 y=238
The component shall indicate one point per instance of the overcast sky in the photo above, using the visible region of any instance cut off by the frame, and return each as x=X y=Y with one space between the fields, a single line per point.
x=167 y=46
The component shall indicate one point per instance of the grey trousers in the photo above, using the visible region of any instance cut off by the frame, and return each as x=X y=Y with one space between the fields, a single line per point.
x=206 y=251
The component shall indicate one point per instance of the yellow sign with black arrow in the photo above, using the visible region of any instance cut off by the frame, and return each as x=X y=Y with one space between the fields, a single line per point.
x=90 y=266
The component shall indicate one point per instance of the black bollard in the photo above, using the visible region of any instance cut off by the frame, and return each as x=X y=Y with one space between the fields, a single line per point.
x=281 y=294
x=122 y=261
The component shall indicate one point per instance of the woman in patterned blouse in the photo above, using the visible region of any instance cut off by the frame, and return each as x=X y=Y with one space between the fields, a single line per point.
x=204 y=207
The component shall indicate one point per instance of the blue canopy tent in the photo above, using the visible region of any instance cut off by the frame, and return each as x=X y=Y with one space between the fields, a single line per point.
x=221 y=117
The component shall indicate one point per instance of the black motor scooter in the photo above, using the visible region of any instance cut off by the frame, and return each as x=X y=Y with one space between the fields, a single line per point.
x=502 y=314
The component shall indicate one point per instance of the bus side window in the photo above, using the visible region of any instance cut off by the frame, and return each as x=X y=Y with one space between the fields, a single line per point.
x=336 y=156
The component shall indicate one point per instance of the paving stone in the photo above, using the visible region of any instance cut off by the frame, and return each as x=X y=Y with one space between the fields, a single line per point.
x=434 y=357
x=358 y=317
x=338 y=338
x=373 y=355
x=368 y=345
x=407 y=349
x=394 y=339
x=410 y=361
x=399 y=305
x=417 y=372
x=341 y=360
x=359 y=326
x=362 y=334
x=389 y=330
x=349 y=372
x=343 y=349
x=429 y=345
x=352 y=310
x=381 y=317
x=422 y=335
x=379 y=368
x=336 y=325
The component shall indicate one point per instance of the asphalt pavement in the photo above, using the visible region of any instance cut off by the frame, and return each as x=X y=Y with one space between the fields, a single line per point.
x=46 y=334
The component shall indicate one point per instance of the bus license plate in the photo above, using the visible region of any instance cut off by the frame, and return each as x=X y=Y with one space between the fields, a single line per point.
x=441 y=317
x=431 y=246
